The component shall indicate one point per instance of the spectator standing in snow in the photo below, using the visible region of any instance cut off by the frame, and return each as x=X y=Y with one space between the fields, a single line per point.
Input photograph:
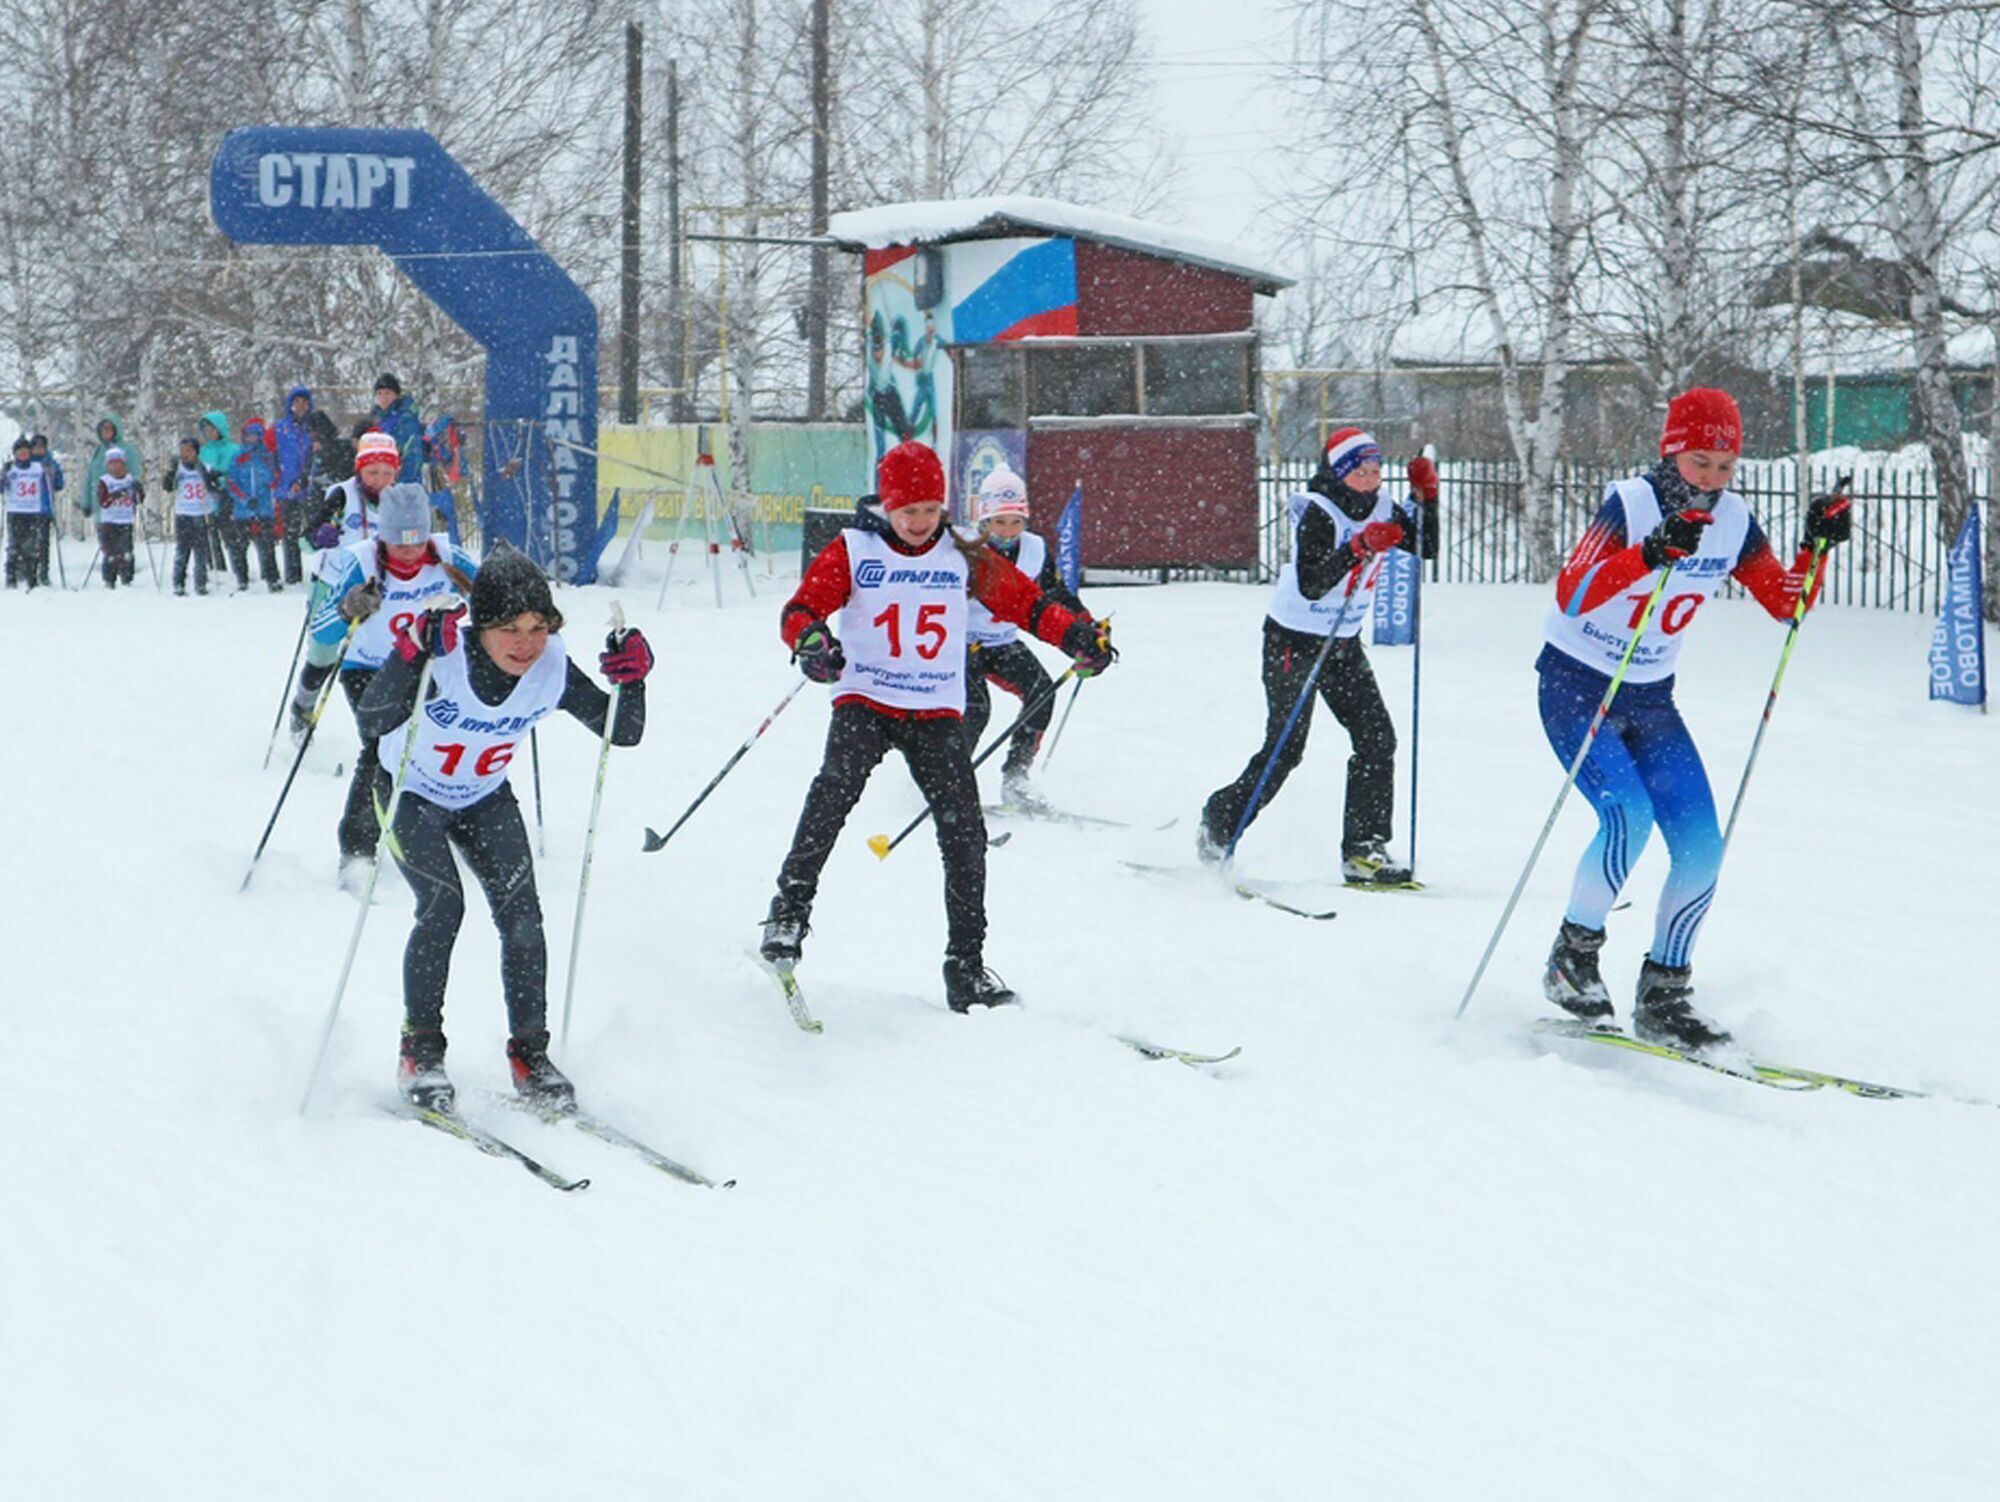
x=194 y=505
x=52 y=481
x=110 y=435
x=396 y=415
x=217 y=454
x=293 y=435
x=115 y=501
x=252 y=483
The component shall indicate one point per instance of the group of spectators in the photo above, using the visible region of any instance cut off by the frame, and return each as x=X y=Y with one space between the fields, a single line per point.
x=226 y=494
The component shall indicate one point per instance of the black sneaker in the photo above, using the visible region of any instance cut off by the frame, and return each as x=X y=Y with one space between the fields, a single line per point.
x=785 y=933
x=1370 y=866
x=536 y=1080
x=969 y=984
x=1664 y=1012
x=420 y=1072
x=1571 y=980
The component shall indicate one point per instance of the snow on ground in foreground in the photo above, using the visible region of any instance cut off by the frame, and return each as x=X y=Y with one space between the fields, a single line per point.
x=1382 y=1254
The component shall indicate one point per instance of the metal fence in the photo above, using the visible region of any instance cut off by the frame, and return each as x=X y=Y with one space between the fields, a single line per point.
x=1895 y=562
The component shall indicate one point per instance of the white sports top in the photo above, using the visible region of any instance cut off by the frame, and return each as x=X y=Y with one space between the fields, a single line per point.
x=1289 y=606
x=903 y=627
x=464 y=745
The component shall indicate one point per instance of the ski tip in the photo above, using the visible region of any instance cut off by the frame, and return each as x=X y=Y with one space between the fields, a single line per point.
x=653 y=840
x=879 y=843
x=1000 y=839
x=727 y=1184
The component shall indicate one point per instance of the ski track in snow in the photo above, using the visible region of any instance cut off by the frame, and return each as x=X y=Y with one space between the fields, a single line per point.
x=1381 y=1254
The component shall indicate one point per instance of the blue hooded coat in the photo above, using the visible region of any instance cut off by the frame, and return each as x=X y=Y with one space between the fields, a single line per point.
x=295 y=447
x=253 y=475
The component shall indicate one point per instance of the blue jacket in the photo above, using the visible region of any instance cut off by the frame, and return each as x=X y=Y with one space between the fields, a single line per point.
x=401 y=423
x=252 y=475
x=295 y=447
x=52 y=480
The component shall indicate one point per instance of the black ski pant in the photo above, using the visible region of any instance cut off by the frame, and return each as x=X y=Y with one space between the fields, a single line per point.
x=934 y=749
x=1015 y=668
x=26 y=531
x=1347 y=685
x=492 y=837
x=291 y=517
x=191 y=541
x=360 y=825
x=114 y=540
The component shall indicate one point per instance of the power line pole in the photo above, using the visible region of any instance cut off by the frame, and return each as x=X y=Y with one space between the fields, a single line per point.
x=628 y=312
x=816 y=287
x=683 y=364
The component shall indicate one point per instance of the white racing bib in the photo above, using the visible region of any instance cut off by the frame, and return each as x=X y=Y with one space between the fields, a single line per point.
x=118 y=503
x=403 y=600
x=191 y=497
x=903 y=626
x=24 y=490
x=463 y=746
x=1598 y=638
x=980 y=626
x=1289 y=606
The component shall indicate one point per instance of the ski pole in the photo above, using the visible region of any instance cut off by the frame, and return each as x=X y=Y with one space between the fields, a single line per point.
x=881 y=844
x=286 y=698
x=1050 y=754
x=1305 y=698
x=535 y=756
x=590 y=833
x=656 y=841
x=374 y=872
x=1569 y=781
x=56 y=542
x=91 y=569
x=305 y=743
x=1771 y=699
x=146 y=537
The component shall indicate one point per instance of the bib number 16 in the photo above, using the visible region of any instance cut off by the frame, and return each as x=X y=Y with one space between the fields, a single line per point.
x=492 y=759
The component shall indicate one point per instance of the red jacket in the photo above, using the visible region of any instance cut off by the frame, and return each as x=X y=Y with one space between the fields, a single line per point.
x=1002 y=588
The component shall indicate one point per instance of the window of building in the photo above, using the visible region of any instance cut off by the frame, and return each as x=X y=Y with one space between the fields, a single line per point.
x=991 y=387
x=1082 y=380
x=1193 y=379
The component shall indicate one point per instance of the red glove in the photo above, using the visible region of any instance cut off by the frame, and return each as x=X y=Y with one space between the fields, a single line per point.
x=1376 y=537
x=626 y=658
x=435 y=632
x=1423 y=479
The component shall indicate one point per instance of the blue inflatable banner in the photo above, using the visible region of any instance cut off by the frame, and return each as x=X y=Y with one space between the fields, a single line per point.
x=1395 y=621
x=400 y=191
x=1958 y=645
x=1069 y=540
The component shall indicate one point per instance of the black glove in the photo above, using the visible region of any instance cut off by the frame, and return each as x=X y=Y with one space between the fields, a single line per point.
x=817 y=652
x=1088 y=644
x=1675 y=537
x=361 y=601
x=1829 y=520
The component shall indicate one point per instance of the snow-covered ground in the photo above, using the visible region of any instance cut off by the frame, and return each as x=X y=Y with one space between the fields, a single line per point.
x=1381 y=1255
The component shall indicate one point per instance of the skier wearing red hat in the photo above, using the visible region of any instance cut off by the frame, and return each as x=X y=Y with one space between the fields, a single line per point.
x=1342 y=526
x=901 y=581
x=1643 y=768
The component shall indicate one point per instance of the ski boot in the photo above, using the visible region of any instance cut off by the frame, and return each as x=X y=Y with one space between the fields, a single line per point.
x=785 y=931
x=1370 y=866
x=1207 y=848
x=968 y=984
x=1572 y=981
x=536 y=1080
x=300 y=723
x=1018 y=794
x=1664 y=1012
x=420 y=1072
x=354 y=873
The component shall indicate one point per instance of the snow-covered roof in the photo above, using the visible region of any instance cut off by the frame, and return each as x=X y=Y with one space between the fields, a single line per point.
x=928 y=221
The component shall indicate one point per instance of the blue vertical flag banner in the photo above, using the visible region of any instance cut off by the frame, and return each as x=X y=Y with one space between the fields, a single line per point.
x=1958 y=646
x=1395 y=620
x=1069 y=539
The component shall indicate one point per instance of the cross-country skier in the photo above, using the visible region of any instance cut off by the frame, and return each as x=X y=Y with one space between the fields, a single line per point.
x=194 y=506
x=490 y=684
x=1643 y=768
x=997 y=654
x=115 y=500
x=26 y=524
x=901 y=582
x=1343 y=525
x=345 y=515
x=377 y=588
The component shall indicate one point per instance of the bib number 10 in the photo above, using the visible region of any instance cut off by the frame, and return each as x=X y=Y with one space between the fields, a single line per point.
x=493 y=759
x=1674 y=614
x=930 y=632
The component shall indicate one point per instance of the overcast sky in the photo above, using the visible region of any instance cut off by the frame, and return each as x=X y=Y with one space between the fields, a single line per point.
x=1223 y=93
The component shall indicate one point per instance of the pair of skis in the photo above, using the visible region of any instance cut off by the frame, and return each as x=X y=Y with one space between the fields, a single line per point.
x=1735 y=1066
x=493 y=1145
x=795 y=1002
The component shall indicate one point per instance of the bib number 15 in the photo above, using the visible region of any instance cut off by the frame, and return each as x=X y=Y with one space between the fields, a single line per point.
x=492 y=759
x=930 y=632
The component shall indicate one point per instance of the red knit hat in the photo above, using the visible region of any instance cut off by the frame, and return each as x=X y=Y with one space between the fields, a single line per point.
x=909 y=475
x=1702 y=418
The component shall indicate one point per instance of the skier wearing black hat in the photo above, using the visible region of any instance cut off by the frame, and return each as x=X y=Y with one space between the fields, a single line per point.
x=489 y=685
x=27 y=526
